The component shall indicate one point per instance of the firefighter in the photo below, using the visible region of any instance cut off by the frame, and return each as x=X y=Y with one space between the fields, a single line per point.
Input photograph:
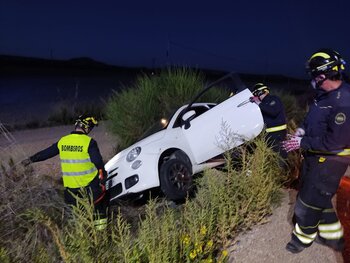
x=325 y=141
x=82 y=167
x=274 y=116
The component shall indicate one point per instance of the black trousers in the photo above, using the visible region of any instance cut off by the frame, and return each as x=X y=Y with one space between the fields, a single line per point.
x=94 y=189
x=274 y=140
x=314 y=211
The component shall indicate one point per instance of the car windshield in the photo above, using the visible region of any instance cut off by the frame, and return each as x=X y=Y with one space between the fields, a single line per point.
x=157 y=126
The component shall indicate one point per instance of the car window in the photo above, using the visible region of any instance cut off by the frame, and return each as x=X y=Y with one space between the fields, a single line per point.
x=198 y=109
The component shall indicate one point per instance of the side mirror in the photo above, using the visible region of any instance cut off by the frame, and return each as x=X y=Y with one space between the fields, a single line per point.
x=187 y=117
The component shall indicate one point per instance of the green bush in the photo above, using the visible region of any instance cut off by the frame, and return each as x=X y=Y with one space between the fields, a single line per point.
x=134 y=109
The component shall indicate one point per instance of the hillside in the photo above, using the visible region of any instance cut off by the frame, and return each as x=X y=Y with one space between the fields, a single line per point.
x=32 y=90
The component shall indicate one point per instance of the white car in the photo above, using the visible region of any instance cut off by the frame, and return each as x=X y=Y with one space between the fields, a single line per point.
x=186 y=144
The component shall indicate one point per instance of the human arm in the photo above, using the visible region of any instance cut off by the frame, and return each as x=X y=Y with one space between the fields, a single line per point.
x=45 y=154
x=255 y=99
x=96 y=157
x=271 y=106
x=336 y=136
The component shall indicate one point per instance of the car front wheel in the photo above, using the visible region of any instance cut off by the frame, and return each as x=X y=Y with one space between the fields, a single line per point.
x=176 y=179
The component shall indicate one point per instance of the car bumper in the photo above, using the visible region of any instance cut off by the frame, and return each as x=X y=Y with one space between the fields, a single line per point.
x=130 y=178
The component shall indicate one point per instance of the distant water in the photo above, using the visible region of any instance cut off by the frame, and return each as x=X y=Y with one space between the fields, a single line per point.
x=27 y=98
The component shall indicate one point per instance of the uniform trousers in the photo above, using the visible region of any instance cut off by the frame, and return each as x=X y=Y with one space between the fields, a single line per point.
x=314 y=212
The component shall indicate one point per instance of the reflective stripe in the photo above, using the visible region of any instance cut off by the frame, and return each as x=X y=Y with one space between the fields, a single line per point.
x=332 y=235
x=80 y=173
x=330 y=227
x=331 y=231
x=344 y=152
x=277 y=128
x=324 y=65
x=304 y=238
x=328 y=210
x=309 y=206
x=320 y=54
x=75 y=161
x=322 y=159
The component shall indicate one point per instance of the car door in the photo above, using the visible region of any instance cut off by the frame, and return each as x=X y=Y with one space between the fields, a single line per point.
x=225 y=126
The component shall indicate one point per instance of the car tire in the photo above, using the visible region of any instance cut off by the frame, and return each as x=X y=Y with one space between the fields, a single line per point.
x=176 y=180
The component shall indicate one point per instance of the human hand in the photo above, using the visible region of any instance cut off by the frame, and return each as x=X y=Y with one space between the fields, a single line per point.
x=292 y=143
x=299 y=132
x=26 y=162
x=255 y=99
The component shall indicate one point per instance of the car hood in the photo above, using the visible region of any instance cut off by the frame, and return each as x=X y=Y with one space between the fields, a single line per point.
x=142 y=143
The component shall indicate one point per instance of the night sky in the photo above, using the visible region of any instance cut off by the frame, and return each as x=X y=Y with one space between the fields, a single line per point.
x=263 y=37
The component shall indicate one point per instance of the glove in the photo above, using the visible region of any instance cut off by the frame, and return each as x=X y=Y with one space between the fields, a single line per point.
x=255 y=100
x=292 y=144
x=26 y=162
x=299 y=132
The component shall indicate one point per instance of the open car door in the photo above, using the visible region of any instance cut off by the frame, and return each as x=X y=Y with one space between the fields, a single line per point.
x=224 y=127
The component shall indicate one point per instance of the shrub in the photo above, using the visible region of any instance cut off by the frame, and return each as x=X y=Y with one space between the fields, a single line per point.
x=21 y=191
x=134 y=109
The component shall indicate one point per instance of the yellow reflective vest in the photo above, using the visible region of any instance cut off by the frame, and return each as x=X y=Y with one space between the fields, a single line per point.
x=77 y=168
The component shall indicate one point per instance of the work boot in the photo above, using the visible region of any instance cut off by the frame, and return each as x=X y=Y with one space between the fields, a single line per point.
x=337 y=244
x=294 y=247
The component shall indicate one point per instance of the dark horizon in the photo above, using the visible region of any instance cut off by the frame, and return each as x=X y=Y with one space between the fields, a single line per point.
x=37 y=65
x=37 y=88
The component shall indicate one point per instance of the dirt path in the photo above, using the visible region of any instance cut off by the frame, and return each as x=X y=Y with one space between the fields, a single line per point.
x=264 y=243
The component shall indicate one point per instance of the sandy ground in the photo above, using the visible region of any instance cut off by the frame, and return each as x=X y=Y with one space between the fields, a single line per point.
x=263 y=243
x=266 y=243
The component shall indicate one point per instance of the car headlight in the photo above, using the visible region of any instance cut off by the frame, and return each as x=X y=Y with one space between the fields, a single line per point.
x=132 y=155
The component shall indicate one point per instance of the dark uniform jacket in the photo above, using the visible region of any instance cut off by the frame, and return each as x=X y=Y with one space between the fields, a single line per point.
x=327 y=124
x=274 y=116
x=273 y=111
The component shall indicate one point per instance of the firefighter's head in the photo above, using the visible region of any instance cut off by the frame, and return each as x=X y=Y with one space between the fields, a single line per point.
x=260 y=89
x=86 y=123
x=325 y=64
